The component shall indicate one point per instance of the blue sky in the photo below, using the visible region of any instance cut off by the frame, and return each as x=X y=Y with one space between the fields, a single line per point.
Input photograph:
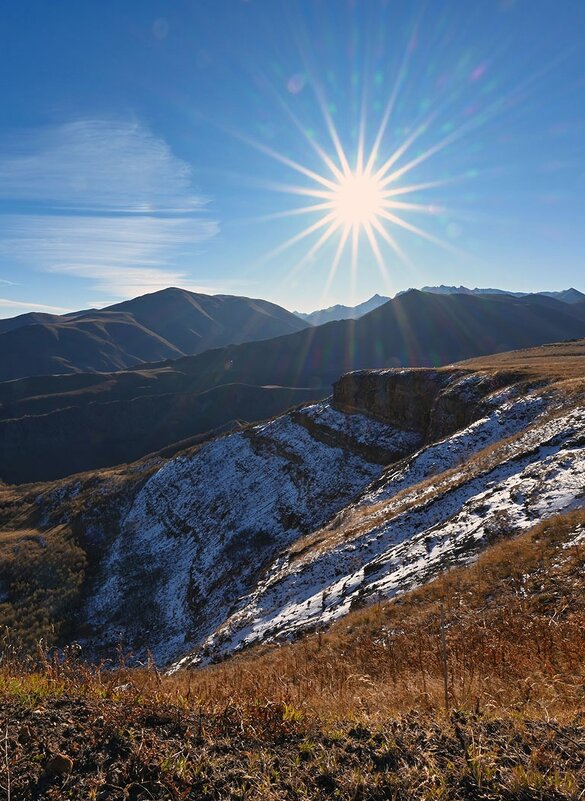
x=151 y=144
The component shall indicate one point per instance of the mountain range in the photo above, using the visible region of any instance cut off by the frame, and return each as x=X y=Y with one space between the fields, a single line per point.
x=51 y=426
x=570 y=295
x=341 y=312
x=162 y=325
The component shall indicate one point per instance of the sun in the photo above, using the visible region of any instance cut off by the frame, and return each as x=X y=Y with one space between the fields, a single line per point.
x=364 y=199
x=357 y=200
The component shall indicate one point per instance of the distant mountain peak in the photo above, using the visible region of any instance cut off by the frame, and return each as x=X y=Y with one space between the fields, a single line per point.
x=570 y=295
x=341 y=312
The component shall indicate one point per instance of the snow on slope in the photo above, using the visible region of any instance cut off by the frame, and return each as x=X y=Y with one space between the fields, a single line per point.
x=403 y=544
x=508 y=416
x=266 y=532
x=203 y=526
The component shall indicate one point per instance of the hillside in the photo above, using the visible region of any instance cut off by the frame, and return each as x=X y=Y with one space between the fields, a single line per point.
x=284 y=526
x=467 y=687
x=162 y=325
x=44 y=421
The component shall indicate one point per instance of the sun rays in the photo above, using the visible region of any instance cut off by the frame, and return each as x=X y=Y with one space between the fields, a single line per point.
x=359 y=202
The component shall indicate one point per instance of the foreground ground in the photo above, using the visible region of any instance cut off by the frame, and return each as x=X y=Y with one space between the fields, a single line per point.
x=74 y=747
x=471 y=687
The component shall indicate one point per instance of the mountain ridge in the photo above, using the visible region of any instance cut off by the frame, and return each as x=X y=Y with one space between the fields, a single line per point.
x=161 y=325
x=341 y=312
x=416 y=329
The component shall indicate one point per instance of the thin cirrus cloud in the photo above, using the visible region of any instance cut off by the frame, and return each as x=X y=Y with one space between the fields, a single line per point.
x=101 y=200
x=21 y=307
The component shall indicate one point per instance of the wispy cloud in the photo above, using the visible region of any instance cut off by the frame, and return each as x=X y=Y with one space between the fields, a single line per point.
x=122 y=256
x=22 y=306
x=101 y=200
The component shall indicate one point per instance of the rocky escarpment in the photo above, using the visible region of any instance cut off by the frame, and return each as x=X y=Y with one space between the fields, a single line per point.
x=432 y=403
x=523 y=461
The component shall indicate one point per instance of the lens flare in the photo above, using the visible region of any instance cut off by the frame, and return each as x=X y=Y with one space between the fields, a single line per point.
x=359 y=199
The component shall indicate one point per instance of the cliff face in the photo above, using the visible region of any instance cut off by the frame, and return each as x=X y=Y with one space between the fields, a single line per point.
x=432 y=403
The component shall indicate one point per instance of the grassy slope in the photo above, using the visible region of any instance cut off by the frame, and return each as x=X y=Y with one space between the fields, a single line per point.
x=357 y=713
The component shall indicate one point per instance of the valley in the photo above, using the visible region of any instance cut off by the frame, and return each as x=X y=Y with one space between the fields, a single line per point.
x=45 y=420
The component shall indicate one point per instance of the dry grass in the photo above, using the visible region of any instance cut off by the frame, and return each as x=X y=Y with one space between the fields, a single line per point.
x=558 y=362
x=41 y=575
x=514 y=625
x=354 y=713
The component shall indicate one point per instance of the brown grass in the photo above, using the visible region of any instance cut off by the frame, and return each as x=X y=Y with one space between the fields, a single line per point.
x=558 y=362
x=514 y=625
x=357 y=712
x=41 y=574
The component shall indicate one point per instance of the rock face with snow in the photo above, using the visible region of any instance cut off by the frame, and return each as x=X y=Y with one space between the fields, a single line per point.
x=286 y=525
x=203 y=528
x=432 y=402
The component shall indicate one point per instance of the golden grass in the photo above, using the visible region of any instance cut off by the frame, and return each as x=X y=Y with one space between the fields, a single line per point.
x=470 y=687
x=514 y=627
x=557 y=362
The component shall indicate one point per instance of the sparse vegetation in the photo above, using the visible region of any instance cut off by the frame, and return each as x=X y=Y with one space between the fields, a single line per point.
x=41 y=577
x=357 y=712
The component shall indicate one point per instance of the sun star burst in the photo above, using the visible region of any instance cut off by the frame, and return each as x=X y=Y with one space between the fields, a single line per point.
x=362 y=200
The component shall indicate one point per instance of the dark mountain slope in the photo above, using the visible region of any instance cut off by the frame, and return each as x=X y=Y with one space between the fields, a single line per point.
x=195 y=322
x=415 y=329
x=30 y=318
x=82 y=421
x=162 y=325
x=73 y=439
x=102 y=342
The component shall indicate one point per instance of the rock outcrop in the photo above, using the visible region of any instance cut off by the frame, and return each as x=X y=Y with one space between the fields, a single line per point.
x=432 y=403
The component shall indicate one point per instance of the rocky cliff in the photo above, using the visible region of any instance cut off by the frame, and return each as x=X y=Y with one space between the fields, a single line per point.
x=434 y=403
